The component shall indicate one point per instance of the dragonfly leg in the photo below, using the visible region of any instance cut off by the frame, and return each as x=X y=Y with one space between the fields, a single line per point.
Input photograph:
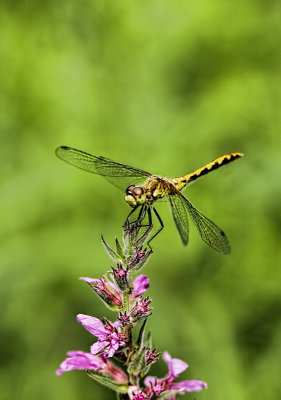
x=127 y=223
x=131 y=212
x=161 y=225
x=150 y=226
x=140 y=218
x=141 y=214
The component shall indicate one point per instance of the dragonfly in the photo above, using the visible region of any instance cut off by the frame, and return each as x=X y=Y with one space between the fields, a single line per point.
x=142 y=189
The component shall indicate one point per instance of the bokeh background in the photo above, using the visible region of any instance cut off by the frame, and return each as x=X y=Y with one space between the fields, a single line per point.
x=164 y=86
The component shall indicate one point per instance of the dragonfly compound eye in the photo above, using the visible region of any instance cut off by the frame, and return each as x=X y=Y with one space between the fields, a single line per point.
x=137 y=191
x=130 y=189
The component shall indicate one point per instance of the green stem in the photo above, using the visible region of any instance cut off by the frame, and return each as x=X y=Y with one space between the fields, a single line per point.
x=126 y=302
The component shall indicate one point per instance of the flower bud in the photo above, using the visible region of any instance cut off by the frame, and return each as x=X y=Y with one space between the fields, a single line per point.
x=117 y=374
x=107 y=291
x=151 y=356
x=141 y=309
x=125 y=319
x=120 y=276
x=138 y=259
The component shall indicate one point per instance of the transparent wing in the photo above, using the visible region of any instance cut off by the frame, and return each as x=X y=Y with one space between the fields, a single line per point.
x=120 y=175
x=179 y=211
x=209 y=232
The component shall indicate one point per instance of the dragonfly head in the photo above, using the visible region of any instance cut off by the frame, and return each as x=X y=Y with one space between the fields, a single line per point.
x=135 y=195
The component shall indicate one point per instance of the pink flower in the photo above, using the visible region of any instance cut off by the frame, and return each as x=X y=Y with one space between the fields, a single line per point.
x=160 y=386
x=87 y=361
x=109 y=338
x=193 y=385
x=108 y=290
x=81 y=360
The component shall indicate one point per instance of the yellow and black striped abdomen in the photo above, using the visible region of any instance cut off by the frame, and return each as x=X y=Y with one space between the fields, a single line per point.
x=180 y=182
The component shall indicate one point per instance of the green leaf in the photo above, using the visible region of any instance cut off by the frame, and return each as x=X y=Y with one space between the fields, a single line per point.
x=119 y=249
x=110 y=306
x=108 y=382
x=115 y=257
x=138 y=364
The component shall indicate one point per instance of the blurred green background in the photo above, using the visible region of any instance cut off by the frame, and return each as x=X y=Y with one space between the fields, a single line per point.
x=164 y=86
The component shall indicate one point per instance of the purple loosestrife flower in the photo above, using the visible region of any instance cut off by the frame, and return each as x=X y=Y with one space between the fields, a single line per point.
x=107 y=291
x=109 y=338
x=81 y=360
x=110 y=293
x=88 y=361
x=156 y=387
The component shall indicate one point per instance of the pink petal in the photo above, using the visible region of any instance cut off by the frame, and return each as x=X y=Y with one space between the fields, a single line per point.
x=116 y=324
x=175 y=365
x=149 y=380
x=115 y=346
x=99 y=281
x=111 y=352
x=141 y=284
x=90 y=280
x=74 y=353
x=80 y=360
x=114 y=287
x=93 y=325
x=189 y=386
x=99 y=346
x=166 y=357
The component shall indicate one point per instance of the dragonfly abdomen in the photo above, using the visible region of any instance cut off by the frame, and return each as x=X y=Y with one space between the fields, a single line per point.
x=211 y=166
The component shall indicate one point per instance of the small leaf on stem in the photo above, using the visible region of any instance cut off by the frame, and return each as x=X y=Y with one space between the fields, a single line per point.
x=115 y=257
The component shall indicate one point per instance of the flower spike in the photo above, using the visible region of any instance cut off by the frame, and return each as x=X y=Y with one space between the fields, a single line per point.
x=120 y=357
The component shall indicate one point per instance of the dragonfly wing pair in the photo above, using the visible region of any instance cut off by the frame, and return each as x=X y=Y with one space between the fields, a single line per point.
x=120 y=175
x=209 y=232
